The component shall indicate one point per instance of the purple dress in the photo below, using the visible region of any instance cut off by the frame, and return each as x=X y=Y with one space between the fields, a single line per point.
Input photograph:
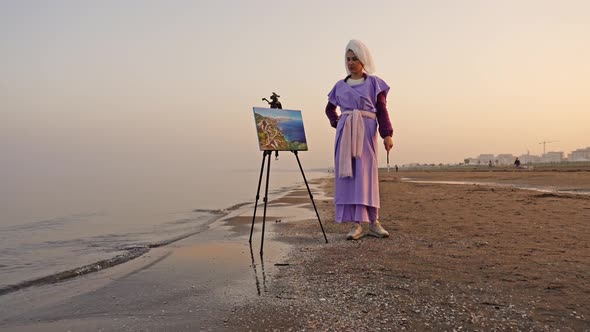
x=357 y=197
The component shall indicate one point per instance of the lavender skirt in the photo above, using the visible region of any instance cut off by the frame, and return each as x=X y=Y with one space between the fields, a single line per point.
x=356 y=213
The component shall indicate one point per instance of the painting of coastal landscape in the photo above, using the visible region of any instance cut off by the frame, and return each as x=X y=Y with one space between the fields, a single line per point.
x=280 y=129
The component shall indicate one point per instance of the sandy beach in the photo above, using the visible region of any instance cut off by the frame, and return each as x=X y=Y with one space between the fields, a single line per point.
x=460 y=257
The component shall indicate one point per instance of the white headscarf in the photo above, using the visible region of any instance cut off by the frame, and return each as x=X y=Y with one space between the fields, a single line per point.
x=362 y=53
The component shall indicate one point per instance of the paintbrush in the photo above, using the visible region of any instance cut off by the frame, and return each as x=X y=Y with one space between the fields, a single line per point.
x=387 y=161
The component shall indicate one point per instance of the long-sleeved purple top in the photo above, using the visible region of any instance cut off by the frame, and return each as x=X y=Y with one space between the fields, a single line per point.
x=385 y=128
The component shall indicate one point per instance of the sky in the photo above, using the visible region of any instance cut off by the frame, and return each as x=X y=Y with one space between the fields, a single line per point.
x=137 y=86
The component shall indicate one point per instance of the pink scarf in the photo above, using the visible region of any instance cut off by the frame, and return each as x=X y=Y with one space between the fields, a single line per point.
x=351 y=143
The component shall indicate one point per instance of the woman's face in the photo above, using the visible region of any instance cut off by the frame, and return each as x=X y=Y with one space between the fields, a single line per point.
x=354 y=64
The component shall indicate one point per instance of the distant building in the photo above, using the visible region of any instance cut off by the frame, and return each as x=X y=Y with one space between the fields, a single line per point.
x=552 y=157
x=549 y=157
x=506 y=159
x=529 y=159
x=485 y=158
x=580 y=155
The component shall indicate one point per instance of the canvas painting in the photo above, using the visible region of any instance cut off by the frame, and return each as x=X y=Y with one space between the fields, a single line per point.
x=280 y=129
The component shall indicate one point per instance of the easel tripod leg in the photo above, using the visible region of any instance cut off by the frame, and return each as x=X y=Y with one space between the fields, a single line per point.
x=310 y=196
x=265 y=201
x=257 y=193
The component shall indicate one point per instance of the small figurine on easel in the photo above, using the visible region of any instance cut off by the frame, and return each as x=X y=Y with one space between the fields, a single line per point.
x=275 y=103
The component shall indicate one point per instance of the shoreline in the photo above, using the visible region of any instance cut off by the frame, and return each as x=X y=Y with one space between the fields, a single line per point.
x=207 y=274
x=134 y=251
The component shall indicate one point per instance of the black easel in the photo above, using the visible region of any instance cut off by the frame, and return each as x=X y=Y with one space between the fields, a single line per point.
x=268 y=154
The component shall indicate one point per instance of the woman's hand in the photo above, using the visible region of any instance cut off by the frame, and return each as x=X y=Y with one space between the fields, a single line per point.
x=388 y=142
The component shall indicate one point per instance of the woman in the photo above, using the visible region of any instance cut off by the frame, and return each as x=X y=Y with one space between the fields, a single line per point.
x=362 y=99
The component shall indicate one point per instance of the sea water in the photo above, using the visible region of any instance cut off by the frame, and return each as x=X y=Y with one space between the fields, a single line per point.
x=50 y=227
x=293 y=130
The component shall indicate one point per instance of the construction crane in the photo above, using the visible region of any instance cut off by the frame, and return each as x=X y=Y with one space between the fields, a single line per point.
x=544 y=143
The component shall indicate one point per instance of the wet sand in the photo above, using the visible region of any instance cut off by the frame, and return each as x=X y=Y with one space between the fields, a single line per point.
x=460 y=257
x=190 y=285
x=550 y=180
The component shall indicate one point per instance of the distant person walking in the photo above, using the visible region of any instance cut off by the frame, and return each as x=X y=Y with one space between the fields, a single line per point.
x=490 y=165
x=517 y=163
x=362 y=98
x=396 y=168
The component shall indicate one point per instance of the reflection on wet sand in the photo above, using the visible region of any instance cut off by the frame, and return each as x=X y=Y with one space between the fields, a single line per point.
x=544 y=189
x=225 y=251
x=257 y=280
